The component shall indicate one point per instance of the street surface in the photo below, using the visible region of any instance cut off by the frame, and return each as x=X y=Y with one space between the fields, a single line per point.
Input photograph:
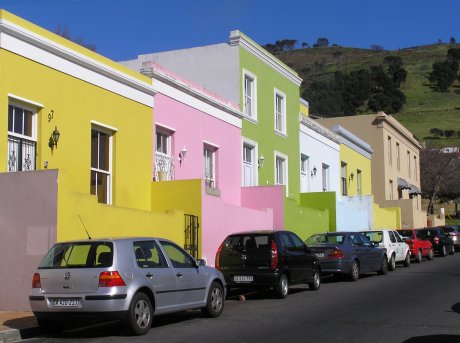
x=415 y=305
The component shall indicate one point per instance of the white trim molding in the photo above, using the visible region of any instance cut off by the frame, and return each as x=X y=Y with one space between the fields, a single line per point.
x=26 y=101
x=239 y=39
x=247 y=73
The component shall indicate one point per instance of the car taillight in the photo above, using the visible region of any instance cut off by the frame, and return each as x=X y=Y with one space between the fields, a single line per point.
x=274 y=256
x=217 y=266
x=111 y=279
x=436 y=240
x=336 y=253
x=36 y=282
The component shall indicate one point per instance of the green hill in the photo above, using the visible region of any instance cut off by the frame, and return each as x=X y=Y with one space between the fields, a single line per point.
x=424 y=109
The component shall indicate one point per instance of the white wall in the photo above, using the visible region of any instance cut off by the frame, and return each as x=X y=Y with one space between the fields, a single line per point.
x=354 y=213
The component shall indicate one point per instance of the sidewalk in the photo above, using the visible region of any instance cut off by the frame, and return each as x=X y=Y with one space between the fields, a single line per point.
x=15 y=326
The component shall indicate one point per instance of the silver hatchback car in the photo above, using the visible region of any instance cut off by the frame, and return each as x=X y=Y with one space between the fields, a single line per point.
x=131 y=279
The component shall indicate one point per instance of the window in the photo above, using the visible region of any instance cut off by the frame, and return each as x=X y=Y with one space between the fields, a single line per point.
x=415 y=168
x=249 y=165
x=398 y=162
x=281 y=170
x=209 y=153
x=22 y=134
x=304 y=173
x=408 y=163
x=101 y=169
x=280 y=112
x=325 y=177
x=148 y=255
x=390 y=190
x=390 y=154
x=179 y=258
x=344 y=178
x=358 y=182
x=250 y=89
x=164 y=167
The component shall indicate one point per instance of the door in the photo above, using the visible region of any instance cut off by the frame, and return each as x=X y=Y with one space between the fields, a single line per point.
x=296 y=257
x=401 y=246
x=190 y=280
x=394 y=246
x=248 y=165
x=152 y=264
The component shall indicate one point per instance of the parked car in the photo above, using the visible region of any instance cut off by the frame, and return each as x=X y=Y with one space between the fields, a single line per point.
x=397 y=251
x=132 y=279
x=347 y=253
x=441 y=242
x=267 y=260
x=419 y=246
x=453 y=231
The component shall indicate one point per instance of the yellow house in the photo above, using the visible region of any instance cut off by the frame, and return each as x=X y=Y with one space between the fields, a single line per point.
x=77 y=149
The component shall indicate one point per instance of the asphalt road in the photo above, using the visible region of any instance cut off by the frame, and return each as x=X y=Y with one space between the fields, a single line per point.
x=416 y=304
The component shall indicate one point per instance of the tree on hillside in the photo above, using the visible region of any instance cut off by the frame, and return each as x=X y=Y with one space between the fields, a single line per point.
x=453 y=54
x=443 y=74
x=376 y=47
x=64 y=31
x=322 y=42
x=452 y=40
x=439 y=177
x=305 y=45
x=395 y=69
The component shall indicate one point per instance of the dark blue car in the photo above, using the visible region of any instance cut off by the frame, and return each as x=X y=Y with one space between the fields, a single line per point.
x=347 y=253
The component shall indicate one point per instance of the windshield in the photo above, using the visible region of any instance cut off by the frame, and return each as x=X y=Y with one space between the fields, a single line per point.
x=78 y=255
x=326 y=238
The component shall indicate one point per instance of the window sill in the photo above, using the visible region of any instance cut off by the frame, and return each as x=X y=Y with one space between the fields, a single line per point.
x=250 y=119
x=212 y=191
x=281 y=134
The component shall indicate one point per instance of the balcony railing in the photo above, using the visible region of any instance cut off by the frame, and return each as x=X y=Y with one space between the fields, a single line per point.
x=164 y=167
x=21 y=154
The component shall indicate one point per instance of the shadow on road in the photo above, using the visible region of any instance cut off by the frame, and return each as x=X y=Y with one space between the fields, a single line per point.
x=434 y=338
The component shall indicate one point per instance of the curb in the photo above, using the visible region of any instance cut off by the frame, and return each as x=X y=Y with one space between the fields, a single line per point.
x=15 y=335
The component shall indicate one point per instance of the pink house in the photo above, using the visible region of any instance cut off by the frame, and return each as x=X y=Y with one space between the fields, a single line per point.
x=198 y=163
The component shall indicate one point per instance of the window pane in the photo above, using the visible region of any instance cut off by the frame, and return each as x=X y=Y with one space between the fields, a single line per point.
x=94 y=145
x=27 y=123
x=179 y=258
x=18 y=120
x=104 y=141
x=10 y=118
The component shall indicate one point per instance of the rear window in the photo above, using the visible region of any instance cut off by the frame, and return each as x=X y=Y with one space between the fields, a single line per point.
x=374 y=236
x=449 y=229
x=78 y=255
x=250 y=241
x=405 y=233
x=330 y=238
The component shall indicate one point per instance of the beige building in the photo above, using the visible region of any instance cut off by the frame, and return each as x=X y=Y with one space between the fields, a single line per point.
x=395 y=163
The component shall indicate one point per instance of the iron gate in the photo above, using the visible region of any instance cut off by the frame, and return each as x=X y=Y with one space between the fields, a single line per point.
x=191 y=234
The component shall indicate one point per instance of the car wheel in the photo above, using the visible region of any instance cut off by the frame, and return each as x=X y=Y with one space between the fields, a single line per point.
x=407 y=260
x=316 y=283
x=392 y=263
x=443 y=251
x=384 y=267
x=430 y=255
x=418 y=257
x=354 y=271
x=215 y=302
x=282 y=288
x=452 y=250
x=140 y=315
x=48 y=326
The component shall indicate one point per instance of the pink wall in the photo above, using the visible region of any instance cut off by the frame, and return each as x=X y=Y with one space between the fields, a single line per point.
x=192 y=128
x=265 y=197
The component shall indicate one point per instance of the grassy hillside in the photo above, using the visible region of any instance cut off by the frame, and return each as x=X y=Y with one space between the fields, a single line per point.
x=425 y=108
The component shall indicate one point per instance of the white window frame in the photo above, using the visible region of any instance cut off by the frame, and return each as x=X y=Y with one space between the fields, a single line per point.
x=105 y=129
x=253 y=115
x=210 y=181
x=278 y=94
x=166 y=159
x=304 y=161
x=343 y=178
x=285 y=170
x=255 y=148
x=325 y=177
x=415 y=168
x=398 y=157
x=390 y=153
x=408 y=164
x=33 y=138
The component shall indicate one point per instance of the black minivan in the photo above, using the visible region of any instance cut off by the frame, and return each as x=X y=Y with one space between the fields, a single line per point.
x=267 y=259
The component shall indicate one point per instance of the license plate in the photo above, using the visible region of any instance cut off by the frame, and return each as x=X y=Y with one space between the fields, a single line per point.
x=243 y=278
x=319 y=254
x=65 y=302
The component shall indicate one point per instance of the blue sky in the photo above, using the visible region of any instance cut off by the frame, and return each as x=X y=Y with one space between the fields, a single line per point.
x=123 y=29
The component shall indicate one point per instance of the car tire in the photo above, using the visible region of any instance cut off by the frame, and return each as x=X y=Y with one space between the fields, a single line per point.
x=392 y=263
x=430 y=255
x=443 y=251
x=418 y=257
x=354 y=271
x=282 y=287
x=384 y=267
x=452 y=250
x=215 y=301
x=140 y=315
x=48 y=326
x=407 y=260
x=316 y=283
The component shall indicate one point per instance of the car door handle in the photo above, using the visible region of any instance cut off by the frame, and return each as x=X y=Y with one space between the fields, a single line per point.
x=149 y=275
x=179 y=274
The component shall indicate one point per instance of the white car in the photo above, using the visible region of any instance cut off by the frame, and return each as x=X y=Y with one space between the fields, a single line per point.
x=396 y=249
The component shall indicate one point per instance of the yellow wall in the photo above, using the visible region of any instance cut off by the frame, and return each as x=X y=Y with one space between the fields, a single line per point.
x=355 y=161
x=387 y=218
x=304 y=110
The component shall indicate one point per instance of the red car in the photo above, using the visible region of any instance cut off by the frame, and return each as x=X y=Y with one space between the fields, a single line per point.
x=419 y=246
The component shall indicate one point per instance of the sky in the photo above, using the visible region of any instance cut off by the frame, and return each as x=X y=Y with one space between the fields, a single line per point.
x=124 y=29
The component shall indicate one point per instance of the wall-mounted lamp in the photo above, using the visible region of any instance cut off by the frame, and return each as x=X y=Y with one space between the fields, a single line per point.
x=261 y=161
x=352 y=176
x=54 y=139
x=313 y=172
x=182 y=154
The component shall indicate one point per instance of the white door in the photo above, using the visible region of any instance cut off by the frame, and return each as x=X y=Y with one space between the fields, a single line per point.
x=248 y=165
x=303 y=173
